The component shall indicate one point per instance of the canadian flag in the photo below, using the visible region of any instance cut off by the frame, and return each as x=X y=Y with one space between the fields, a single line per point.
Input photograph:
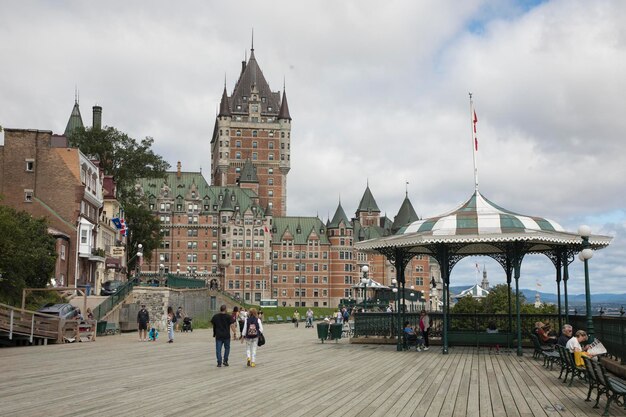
x=266 y=229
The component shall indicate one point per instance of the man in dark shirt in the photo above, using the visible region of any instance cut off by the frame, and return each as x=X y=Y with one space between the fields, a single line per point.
x=221 y=332
x=143 y=318
x=566 y=335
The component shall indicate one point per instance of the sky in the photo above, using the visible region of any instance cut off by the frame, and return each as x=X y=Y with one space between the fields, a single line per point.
x=378 y=93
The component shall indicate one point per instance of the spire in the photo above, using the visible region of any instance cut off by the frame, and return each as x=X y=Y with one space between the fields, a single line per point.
x=226 y=205
x=248 y=173
x=406 y=215
x=75 y=120
x=284 y=107
x=224 y=107
x=252 y=48
x=368 y=203
x=339 y=216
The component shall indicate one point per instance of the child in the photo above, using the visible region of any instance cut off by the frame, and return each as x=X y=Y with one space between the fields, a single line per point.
x=153 y=334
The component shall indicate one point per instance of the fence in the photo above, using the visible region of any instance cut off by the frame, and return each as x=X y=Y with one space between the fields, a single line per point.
x=111 y=301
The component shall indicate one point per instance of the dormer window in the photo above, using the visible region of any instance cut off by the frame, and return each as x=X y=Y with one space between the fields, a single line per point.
x=269 y=108
x=245 y=98
x=263 y=99
x=239 y=108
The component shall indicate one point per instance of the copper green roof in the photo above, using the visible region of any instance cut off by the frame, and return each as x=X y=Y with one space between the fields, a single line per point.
x=338 y=217
x=181 y=187
x=368 y=204
x=406 y=215
x=369 y=232
x=248 y=173
x=300 y=228
x=75 y=120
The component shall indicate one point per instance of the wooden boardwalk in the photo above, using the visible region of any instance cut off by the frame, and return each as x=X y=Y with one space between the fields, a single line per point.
x=296 y=375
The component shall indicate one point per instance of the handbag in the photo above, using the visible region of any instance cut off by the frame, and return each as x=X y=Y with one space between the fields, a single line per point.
x=261 y=341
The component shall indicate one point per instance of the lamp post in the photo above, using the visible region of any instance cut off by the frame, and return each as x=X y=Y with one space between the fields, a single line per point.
x=365 y=269
x=394 y=289
x=178 y=268
x=584 y=256
x=139 y=256
x=161 y=273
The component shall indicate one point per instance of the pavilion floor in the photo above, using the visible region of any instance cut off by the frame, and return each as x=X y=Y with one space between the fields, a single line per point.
x=295 y=375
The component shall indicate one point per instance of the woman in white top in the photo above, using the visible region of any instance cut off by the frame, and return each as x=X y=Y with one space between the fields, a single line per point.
x=573 y=345
x=251 y=330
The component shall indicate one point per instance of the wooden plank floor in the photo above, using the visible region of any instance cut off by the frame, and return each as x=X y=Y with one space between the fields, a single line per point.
x=296 y=375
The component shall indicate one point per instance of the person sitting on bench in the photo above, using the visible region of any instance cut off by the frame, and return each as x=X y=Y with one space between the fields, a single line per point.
x=411 y=337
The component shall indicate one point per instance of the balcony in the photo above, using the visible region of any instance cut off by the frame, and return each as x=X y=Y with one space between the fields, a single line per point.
x=97 y=255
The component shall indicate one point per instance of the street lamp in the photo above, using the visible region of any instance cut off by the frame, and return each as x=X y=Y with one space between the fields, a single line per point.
x=139 y=255
x=586 y=254
x=365 y=269
x=161 y=273
x=178 y=268
x=412 y=294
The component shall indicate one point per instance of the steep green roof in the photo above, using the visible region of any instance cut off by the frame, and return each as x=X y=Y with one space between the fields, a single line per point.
x=406 y=215
x=369 y=232
x=181 y=186
x=248 y=173
x=300 y=227
x=75 y=120
x=338 y=217
x=368 y=204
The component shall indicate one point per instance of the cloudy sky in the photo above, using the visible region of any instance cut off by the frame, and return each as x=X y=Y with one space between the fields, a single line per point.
x=378 y=92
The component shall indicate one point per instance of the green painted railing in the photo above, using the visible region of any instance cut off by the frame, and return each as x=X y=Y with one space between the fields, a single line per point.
x=113 y=300
x=177 y=281
x=611 y=331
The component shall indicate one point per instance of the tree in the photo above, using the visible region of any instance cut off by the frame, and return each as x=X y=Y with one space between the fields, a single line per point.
x=27 y=254
x=468 y=304
x=497 y=301
x=127 y=161
x=120 y=156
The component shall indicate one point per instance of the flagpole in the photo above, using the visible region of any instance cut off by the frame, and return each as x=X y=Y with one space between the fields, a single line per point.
x=474 y=120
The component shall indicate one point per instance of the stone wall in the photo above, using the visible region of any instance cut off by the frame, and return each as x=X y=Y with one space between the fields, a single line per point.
x=196 y=303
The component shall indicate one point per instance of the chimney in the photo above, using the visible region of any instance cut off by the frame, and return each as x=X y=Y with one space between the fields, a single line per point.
x=97 y=117
x=178 y=166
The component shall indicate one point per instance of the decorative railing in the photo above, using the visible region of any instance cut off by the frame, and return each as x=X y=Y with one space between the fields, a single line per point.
x=177 y=281
x=611 y=331
x=112 y=301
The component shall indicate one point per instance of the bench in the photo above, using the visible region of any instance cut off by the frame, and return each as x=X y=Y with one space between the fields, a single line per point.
x=465 y=338
x=549 y=355
x=567 y=361
x=271 y=319
x=279 y=318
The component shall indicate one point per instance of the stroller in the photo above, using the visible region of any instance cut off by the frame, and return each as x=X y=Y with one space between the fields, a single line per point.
x=187 y=325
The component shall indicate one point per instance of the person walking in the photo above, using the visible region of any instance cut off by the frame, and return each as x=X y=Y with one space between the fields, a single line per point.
x=171 y=318
x=242 y=319
x=309 y=318
x=222 y=324
x=295 y=319
x=252 y=327
x=143 y=319
x=180 y=316
x=234 y=325
x=425 y=328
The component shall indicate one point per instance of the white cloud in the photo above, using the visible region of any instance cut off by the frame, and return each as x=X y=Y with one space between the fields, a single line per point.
x=378 y=94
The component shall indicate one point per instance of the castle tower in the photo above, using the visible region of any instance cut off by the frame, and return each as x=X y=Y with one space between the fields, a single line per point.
x=253 y=124
x=485 y=283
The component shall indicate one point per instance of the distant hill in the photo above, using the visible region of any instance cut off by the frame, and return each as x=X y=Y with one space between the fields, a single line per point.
x=602 y=298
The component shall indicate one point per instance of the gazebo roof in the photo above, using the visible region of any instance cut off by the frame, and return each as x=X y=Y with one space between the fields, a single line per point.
x=480 y=227
x=476 y=291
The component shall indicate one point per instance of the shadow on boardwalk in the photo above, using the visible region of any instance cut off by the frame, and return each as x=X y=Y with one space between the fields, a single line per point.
x=296 y=375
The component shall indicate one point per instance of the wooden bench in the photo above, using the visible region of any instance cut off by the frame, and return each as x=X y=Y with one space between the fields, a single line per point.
x=271 y=319
x=279 y=318
x=478 y=339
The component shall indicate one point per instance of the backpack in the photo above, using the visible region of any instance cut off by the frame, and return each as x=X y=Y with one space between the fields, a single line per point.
x=253 y=328
x=346 y=315
x=174 y=319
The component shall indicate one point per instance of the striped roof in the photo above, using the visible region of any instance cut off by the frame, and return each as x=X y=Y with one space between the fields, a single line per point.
x=478 y=225
x=478 y=216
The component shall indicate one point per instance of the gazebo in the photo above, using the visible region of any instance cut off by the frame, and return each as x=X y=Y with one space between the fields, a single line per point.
x=478 y=227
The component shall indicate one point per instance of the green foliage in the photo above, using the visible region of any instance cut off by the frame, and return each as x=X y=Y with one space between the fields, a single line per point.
x=127 y=160
x=27 y=254
x=468 y=304
x=497 y=302
x=120 y=156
